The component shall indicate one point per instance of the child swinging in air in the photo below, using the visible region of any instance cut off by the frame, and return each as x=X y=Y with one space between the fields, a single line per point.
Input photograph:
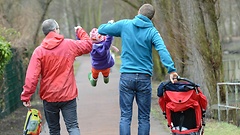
x=102 y=61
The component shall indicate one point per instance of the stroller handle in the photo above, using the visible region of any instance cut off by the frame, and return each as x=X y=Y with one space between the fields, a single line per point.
x=183 y=79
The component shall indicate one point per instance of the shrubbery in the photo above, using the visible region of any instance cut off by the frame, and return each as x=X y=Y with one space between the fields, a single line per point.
x=5 y=53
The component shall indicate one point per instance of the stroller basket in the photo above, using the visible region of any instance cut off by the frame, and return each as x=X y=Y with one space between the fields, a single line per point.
x=183 y=105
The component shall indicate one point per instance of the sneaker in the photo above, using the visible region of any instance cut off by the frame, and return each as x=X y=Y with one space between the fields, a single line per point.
x=92 y=80
x=106 y=79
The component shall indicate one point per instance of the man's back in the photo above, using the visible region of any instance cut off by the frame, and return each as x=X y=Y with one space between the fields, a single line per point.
x=136 y=38
x=53 y=60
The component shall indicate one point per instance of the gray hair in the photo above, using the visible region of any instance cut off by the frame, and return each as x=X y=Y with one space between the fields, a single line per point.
x=49 y=25
x=147 y=10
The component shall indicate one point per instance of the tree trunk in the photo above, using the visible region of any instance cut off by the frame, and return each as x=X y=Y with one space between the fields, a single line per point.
x=41 y=20
x=204 y=65
x=191 y=35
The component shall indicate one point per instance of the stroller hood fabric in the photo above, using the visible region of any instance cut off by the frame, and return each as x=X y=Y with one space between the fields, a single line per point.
x=179 y=86
x=176 y=100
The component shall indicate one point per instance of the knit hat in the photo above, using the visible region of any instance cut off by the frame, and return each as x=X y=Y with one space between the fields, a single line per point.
x=95 y=36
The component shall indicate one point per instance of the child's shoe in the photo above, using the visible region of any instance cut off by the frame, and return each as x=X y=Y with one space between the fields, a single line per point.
x=106 y=79
x=92 y=80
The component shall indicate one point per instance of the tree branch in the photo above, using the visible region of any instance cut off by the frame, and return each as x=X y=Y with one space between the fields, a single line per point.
x=41 y=20
x=131 y=4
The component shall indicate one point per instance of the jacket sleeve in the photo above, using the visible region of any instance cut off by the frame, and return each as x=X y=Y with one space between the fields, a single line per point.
x=112 y=29
x=108 y=42
x=32 y=76
x=165 y=56
x=84 y=45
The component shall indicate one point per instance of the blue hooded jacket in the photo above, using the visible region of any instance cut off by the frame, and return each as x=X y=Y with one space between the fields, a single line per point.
x=138 y=36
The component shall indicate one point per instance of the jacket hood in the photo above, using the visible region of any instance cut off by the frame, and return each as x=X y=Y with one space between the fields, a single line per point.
x=52 y=40
x=142 y=21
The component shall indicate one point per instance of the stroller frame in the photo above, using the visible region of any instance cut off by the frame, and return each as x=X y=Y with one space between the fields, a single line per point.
x=184 y=106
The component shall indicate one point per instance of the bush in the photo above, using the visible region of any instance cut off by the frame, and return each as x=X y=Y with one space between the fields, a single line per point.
x=5 y=53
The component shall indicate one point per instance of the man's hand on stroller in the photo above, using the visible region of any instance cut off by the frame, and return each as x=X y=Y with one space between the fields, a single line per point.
x=173 y=77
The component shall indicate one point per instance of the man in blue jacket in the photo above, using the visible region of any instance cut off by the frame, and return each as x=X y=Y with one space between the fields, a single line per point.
x=138 y=37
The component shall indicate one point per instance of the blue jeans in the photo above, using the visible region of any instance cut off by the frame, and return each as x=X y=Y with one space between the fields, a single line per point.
x=69 y=112
x=138 y=86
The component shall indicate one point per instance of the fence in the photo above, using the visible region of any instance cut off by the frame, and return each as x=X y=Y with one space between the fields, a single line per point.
x=11 y=85
x=232 y=91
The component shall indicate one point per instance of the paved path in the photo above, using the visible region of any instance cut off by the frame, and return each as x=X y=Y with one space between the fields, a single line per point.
x=98 y=107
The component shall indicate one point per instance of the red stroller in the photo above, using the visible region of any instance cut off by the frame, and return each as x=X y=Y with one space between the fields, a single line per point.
x=183 y=105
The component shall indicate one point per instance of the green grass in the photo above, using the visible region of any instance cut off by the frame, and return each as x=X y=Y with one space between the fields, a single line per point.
x=214 y=127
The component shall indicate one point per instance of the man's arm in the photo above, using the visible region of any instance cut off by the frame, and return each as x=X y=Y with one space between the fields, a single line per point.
x=84 y=45
x=32 y=76
x=165 y=56
x=112 y=29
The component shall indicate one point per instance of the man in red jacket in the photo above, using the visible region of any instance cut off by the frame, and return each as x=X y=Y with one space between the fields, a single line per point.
x=52 y=62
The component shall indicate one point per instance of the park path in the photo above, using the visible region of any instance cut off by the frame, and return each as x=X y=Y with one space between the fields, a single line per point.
x=98 y=107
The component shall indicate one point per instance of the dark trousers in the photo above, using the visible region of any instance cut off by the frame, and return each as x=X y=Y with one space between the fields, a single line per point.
x=69 y=112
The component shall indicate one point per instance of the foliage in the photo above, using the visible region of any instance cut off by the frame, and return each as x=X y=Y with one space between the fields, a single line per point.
x=5 y=53
x=9 y=34
x=5 y=56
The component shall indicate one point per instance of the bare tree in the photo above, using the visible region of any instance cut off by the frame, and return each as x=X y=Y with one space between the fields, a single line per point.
x=45 y=9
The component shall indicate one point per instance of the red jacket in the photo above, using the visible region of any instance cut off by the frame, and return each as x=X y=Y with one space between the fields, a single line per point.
x=53 y=61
